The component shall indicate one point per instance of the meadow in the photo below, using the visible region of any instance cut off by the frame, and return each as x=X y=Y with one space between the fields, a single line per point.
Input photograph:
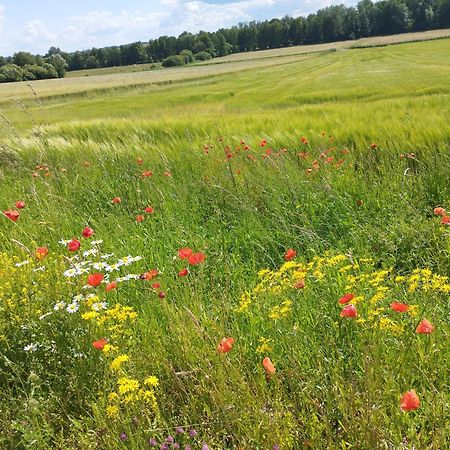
x=247 y=255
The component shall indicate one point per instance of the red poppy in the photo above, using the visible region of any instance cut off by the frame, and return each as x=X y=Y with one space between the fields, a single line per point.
x=12 y=214
x=41 y=253
x=149 y=275
x=424 y=327
x=300 y=284
x=87 y=232
x=116 y=200
x=263 y=143
x=183 y=273
x=268 y=366
x=225 y=345
x=139 y=161
x=111 y=286
x=196 y=258
x=290 y=254
x=162 y=294
x=373 y=146
x=184 y=253
x=346 y=298
x=156 y=285
x=167 y=174
x=149 y=210
x=445 y=220
x=439 y=211
x=20 y=204
x=34 y=174
x=147 y=173
x=94 y=279
x=100 y=344
x=73 y=245
x=304 y=140
x=139 y=218
x=399 y=307
x=349 y=311
x=410 y=401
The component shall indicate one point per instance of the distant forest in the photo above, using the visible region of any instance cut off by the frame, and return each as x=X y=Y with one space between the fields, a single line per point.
x=334 y=23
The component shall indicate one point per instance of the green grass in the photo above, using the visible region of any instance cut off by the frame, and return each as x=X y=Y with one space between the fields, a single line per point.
x=338 y=381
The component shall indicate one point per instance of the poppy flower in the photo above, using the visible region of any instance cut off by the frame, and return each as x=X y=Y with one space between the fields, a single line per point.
x=439 y=211
x=139 y=161
x=290 y=254
x=346 y=298
x=183 y=273
x=139 y=218
x=149 y=275
x=184 y=253
x=73 y=245
x=94 y=279
x=349 y=311
x=196 y=258
x=263 y=143
x=300 y=284
x=87 y=232
x=225 y=345
x=399 y=307
x=424 y=327
x=147 y=173
x=149 y=210
x=156 y=285
x=41 y=253
x=167 y=174
x=162 y=294
x=111 y=286
x=20 y=204
x=409 y=401
x=12 y=214
x=116 y=200
x=373 y=146
x=268 y=366
x=100 y=344
x=445 y=220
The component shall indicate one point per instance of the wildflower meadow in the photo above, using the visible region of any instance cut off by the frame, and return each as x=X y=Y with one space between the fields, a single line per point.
x=253 y=260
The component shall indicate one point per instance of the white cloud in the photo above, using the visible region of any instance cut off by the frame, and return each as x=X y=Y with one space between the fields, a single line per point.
x=36 y=31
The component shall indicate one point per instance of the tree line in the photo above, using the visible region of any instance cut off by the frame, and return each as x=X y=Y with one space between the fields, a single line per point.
x=334 y=23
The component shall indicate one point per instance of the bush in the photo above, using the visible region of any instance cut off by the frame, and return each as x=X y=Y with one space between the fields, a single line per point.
x=172 y=61
x=10 y=72
x=202 y=56
x=187 y=56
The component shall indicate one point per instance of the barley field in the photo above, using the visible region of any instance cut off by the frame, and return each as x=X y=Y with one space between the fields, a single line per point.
x=249 y=255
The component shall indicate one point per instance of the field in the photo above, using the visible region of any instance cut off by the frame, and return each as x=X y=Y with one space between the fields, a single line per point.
x=270 y=258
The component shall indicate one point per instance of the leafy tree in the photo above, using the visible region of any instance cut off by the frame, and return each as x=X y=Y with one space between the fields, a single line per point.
x=23 y=58
x=172 y=61
x=59 y=63
x=10 y=72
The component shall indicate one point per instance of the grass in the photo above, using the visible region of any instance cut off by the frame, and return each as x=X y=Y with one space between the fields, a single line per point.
x=241 y=172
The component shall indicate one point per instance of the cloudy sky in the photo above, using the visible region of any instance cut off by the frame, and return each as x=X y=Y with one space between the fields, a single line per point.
x=34 y=26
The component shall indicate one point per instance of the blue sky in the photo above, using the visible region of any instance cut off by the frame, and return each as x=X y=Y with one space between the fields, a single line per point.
x=35 y=25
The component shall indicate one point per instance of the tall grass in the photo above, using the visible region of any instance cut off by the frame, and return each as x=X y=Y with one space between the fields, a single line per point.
x=240 y=172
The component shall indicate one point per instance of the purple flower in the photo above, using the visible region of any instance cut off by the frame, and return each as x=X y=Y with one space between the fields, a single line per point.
x=205 y=447
x=164 y=447
x=153 y=442
x=188 y=447
x=179 y=430
x=192 y=433
x=169 y=439
x=175 y=445
x=123 y=436
x=276 y=447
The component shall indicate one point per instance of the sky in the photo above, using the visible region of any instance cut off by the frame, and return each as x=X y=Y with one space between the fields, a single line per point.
x=36 y=25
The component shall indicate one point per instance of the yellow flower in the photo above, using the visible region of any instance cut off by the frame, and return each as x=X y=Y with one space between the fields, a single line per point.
x=118 y=361
x=112 y=411
x=264 y=345
x=151 y=381
x=127 y=385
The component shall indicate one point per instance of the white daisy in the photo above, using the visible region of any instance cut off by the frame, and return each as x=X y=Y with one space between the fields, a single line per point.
x=72 y=308
x=99 y=306
x=23 y=263
x=31 y=347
